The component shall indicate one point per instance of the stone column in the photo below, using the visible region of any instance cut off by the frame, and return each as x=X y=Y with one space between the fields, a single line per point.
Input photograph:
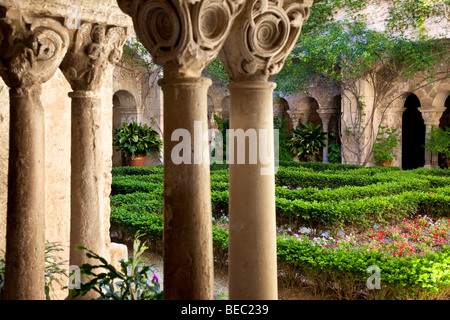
x=183 y=37
x=188 y=260
x=261 y=38
x=31 y=51
x=325 y=116
x=395 y=114
x=94 y=49
x=431 y=116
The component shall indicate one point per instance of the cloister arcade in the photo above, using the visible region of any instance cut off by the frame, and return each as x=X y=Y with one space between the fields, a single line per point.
x=57 y=67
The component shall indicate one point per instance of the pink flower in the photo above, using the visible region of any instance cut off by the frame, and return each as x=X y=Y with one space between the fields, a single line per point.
x=360 y=61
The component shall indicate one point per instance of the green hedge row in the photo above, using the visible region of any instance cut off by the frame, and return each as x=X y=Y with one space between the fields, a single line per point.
x=363 y=212
x=380 y=194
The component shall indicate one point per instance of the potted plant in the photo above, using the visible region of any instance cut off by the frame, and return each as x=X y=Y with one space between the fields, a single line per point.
x=439 y=142
x=387 y=140
x=307 y=141
x=136 y=142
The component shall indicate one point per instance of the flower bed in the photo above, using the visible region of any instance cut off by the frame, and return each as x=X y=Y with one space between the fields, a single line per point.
x=413 y=255
x=413 y=258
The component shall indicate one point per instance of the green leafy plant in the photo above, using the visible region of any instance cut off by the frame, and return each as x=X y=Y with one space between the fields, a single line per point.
x=334 y=148
x=135 y=280
x=439 y=141
x=135 y=139
x=284 y=153
x=55 y=267
x=307 y=141
x=386 y=141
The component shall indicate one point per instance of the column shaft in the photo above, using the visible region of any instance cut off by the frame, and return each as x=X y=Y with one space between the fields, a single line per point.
x=252 y=247
x=427 y=153
x=86 y=223
x=188 y=253
x=25 y=250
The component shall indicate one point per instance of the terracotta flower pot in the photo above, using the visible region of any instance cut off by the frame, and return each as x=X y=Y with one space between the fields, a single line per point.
x=387 y=163
x=138 y=161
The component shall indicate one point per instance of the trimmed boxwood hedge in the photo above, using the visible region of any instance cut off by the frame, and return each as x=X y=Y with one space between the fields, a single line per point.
x=319 y=196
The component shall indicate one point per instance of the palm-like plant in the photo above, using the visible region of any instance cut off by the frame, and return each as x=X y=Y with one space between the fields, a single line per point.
x=135 y=140
x=307 y=141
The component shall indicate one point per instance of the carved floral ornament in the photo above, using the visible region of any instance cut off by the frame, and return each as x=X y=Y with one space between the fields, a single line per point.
x=182 y=35
x=95 y=47
x=263 y=36
x=31 y=52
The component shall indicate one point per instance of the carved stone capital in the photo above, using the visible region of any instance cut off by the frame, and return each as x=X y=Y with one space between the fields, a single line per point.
x=326 y=113
x=431 y=115
x=262 y=36
x=31 y=50
x=94 y=48
x=183 y=36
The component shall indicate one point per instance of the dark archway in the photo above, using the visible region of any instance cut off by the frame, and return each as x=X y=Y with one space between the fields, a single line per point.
x=445 y=119
x=413 y=135
x=314 y=115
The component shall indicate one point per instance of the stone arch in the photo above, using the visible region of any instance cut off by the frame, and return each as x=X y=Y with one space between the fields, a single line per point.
x=125 y=105
x=308 y=107
x=124 y=110
x=442 y=101
x=335 y=103
x=281 y=108
x=413 y=134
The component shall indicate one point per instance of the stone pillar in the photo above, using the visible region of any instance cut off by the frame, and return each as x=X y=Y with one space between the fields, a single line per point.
x=188 y=249
x=395 y=116
x=94 y=49
x=183 y=37
x=325 y=116
x=252 y=254
x=261 y=38
x=31 y=50
x=431 y=116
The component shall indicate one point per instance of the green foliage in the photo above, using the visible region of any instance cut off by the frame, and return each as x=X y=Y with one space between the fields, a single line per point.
x=386 y=141
x=216 y=71
x=343 y=51
x=136 y=55
x=135 y=281
x=320 y=196
x=54 y=267
x=334 y=147
x=307 y=141
x=284 y=153
x=439 y=141
x=135 y=139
